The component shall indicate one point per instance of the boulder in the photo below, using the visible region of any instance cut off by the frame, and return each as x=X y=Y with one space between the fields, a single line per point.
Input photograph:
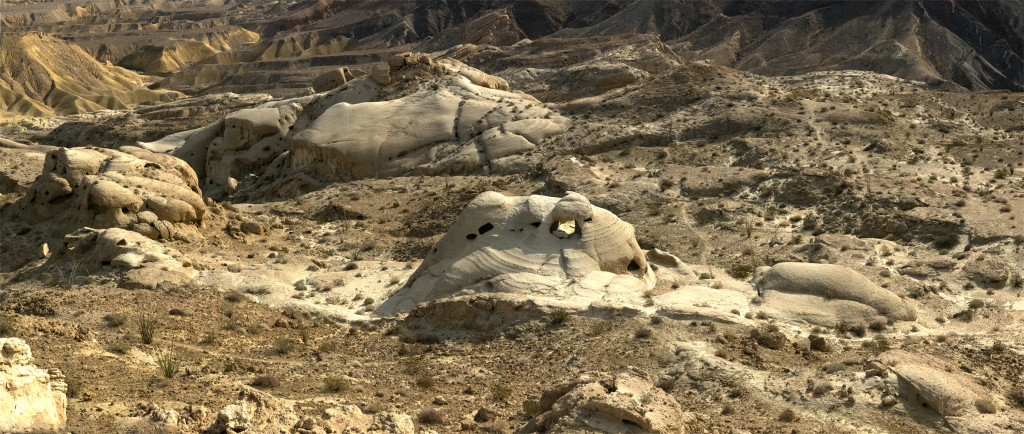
x=835 y=290
x=624 y=403
x=31 y=399
x=332 y=79
x=154 y=194
x=255 y=411
x=564 y=249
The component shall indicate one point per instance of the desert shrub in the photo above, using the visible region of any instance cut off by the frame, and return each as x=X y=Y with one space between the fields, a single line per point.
x=327 y=347
x=985 y=406
x=500 y=392
x=209 y=338
x=834 y=367
x=430 y=415
x=168 y=363
x=728 y=409
x=336 y=384
x=601 y=327
x=266 y=381
x=976 y=304
x=147 y=327
x=643 y=333
x=284 y=345
x=234 y=297
x=8 y=324
x=788 y=415
x=368 y=301
x=560 y=316
x=425 y=382
x=740 y=271
x=1016 y=397
x=115 y=319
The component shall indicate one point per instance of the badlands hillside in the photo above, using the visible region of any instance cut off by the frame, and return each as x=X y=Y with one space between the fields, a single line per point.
x=530 y=216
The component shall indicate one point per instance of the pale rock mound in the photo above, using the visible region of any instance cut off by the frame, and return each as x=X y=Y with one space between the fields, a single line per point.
x=459 y=128
x=255 y=411
x=31 y=399
x=563 y=249
x=153 y=194
x=929 y=381
x=456 y=120
x=332 y=79
x=624 y=403
x=146 y=263
x=827 y=294
x=349 y=419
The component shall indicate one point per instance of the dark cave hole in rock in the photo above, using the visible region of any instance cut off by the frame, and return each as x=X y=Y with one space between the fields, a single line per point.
x=535 y=224
x=633 y=266
x=471 y=236
x=486 y=227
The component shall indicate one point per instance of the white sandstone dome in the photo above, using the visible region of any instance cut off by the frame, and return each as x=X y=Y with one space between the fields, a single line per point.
x=563 y=249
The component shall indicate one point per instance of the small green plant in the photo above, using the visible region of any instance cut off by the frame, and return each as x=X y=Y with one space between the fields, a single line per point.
x=336 y=384
x=284 y=345
x=168 y=363
x=740 y=271
x=560 y=316
x=976 y=304
x=147 y=327
x=367 y=301
x=643 y=333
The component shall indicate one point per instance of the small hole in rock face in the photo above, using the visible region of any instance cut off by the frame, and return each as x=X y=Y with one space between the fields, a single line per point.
x=588 y=219
x=535 y=224
x=124 y=210
x=483 y=229
x=633 y=266
x=435 y=250
x=471 y=236
x=122 y=242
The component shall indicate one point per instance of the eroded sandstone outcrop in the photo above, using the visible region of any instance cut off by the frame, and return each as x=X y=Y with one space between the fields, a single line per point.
x=829 y=294
x=623 y=403
x=415 y=116
x=153 y=194
x=31 y=399
x=564 y=249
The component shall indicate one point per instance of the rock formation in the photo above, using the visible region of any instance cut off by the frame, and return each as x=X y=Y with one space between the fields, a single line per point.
x=256 y=411
x=838 y=294
x=145 y=263
x=461 y=123
x=543 y=246
x=623 y=403
x=152 y=194
x=31 y=399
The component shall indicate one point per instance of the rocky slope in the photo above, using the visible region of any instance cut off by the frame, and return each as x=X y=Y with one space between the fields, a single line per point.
x=570 y=233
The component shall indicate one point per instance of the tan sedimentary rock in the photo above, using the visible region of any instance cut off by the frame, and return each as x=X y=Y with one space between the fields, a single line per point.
x=154 y=194
x=31 y=399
